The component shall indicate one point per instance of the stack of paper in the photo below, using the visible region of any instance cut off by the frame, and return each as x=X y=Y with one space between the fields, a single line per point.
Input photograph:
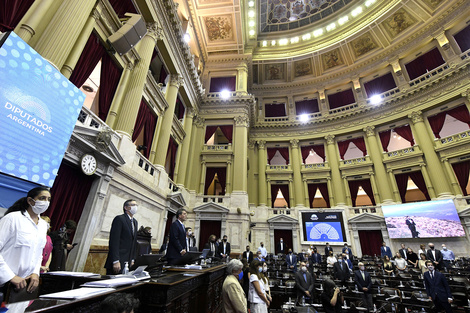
x=107 y=283
x=74 y=274
x=78 y=293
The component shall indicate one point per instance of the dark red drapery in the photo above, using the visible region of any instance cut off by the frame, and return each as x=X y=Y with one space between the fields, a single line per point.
x=463 y=38
x=418 y=179
x=379 y=85
x=320 y=151
x=385 y=139
x=179 y=109
x=360 y=144
x=210 y=130
x=172 y=148
x=354 y=188
x=405 y=133
x=163 y=75
x=219 y=84
x=11 y=13
x=109 y=80
x=227 y=130
x=210 y=174
x=343 y=147
x=306 y=106
x=284 y=153
x=312 y=189
x=91 y=55
x=147 y=121
x=460 y=113
x=275 y=109
x=462 y=171
x=122 y=6
x=270 y=152
x=305 y=151
x=424 y=63
x=437 y=122
x=371 y=241
x=284 y=191
x=402 y=183
x=69 y=194
x=340 y=99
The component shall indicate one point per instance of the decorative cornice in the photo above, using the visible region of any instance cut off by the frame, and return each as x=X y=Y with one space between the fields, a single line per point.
x=261 y=144
x=199 y=121
x=416 y=117
x=330 y=139
x=242 y=121
x=294 y=143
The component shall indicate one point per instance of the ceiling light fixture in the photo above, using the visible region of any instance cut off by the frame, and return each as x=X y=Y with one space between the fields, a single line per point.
x=330 y=27
x=283 y=42
x=264 y=43
x=225 y=94
x=304 y=118
x=306 y=37
x=343 y=20
x=318 y=32
x=251 y=23
x=252 y=32
x=186 y=37
x=368 y=3
x=356 y=11
x=251 y=4
x=375 y=99
x=251 y=13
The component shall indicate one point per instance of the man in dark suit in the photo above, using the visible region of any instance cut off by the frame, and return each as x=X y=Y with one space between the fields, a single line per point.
x=341 y=270
x=346 y=250
x=403 y=252
x=384 y=250
x=291 y=260
x=364 y=284
x=177 y=244
x=212 y=246
x=315 y=258
x=190 y=240
x=224 y=248
x=437 y=288
x=435 y=256
x=281 y=246
x=122 y=239
x=304 y=282
x=328 y=249
x=248 y=255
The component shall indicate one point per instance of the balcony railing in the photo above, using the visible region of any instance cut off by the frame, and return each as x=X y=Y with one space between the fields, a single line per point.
x=465 y=55
x=344 y=109
x=356 y=161
x=314 y=166
x=428 y=75
x=224 y=148
x=89 y=119
x=309 y=116
x=276 y=119
x=365 y=209
x=387 y=94
x=455 y=138
x=145 y=164
x=280 y=211
x=270 y=167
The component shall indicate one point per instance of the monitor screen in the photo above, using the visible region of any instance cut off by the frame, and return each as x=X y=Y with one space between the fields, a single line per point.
x=38 y=110
x=427 y=219
x=323 y=226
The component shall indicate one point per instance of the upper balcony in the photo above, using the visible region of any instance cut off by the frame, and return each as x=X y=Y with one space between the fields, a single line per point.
x=278 y=168
x=217 y=149
x=357 y=162
x=401 y=154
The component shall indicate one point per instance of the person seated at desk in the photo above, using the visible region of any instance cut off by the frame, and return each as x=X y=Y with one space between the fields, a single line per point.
x=341 y=269
x=412 y=258
x=291 y=260
x=422 y=263
x=331 y=297
x=400 y=263
x=389 y=267
x=304 y=282
x=331 y=260
x=119 y=303
x=233 y=296
x=212 y=246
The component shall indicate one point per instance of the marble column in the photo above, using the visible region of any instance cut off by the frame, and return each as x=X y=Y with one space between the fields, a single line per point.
x=252 y=183
x=184 y=159
x=116 y=104
x=451 y=175
x=27 y=26
x=332 y=155
x=197 y=143
x=240 y=152
x=262 y=160
x=427 y=181
x=297 y=174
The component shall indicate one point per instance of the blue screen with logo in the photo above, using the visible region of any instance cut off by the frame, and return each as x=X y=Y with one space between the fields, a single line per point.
x=323 y=227
x=38 y=110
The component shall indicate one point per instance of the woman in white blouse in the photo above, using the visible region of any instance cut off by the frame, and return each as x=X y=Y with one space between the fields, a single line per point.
x=257 y=292
x=331 y=260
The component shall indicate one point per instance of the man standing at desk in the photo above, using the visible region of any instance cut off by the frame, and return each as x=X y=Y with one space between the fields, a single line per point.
x=385 y=251
x=437 y=288
x=364 y=284
x=177 y=244
x=122 y=239
x=224 y=248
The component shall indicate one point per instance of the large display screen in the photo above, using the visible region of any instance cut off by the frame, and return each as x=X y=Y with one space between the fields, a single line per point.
x=428 y=219
x=323 y=227
x=38 y=110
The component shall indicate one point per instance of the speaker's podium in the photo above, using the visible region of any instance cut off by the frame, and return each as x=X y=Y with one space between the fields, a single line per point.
x=126 y=37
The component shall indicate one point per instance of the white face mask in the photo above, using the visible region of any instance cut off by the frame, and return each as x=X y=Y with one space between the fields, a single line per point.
x=361 y=268
x=431 y=268
x=133 y=209
x=304 y=269
x=40 y=207
x=265 y=269
x=190 y=233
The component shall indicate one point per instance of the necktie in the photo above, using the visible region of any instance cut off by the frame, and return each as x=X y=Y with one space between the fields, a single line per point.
x=363 y=277
x=341 y=264
x=305 y=277
x=432 y=275
x=132 y=225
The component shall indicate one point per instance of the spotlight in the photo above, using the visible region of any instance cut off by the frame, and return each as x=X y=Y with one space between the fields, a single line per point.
x=225 y=94
x=375 y=99
x=304 y=118
x=186 y=37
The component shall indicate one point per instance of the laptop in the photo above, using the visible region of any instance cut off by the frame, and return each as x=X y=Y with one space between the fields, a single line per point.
x=205 y=252
x=188 y=258
x=150 y=260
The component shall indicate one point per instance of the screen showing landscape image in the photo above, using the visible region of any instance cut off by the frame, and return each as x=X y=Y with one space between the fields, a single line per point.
x=423 y=220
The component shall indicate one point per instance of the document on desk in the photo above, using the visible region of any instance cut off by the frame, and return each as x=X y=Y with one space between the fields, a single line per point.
x=78 y=293
x=109 y=283
x=74 y=274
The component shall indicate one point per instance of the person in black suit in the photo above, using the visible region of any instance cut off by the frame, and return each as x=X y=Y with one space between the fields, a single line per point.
x=177 y=244
x=190 y=240
x=212 y=245
x=341 y=270
x=281 y=246
x=248 y=255
x=315 y=258
x=122 y=239
x=437 y=288
x=304 y=282
x=164 y=245
x=328 y=249
x=224 y=248
x=347 y=251
x=435 y=256
x=403 y=251
x=412 y=227
x=291 y=261
x=364 y=284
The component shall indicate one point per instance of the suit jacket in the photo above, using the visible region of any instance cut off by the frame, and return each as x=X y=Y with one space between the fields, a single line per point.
x=341 y=273
x=221 y=249
x=122 y=241
x=385 y=251
x=177 y=241
x=291 y=263
x=233 y=296
x=248 y=255
x=361 y=283
x=327 y=251
x=315 y=258
x=278 y=247
x=192 y=243
x=348 y=251
x=208 y=246
x=431 y=257
x=303 y=285
x=404 y=253
x=437 y=287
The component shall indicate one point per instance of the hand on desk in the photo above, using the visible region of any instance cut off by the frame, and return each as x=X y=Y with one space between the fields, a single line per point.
x=183 y=252
x=116 y=267
x=33 y=282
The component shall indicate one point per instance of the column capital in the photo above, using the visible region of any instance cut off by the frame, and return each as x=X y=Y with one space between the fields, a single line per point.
x=294 y=143
x=203 y=162
x=416 y=117
x=241 y=121
x=330 y=139
x=261 y=144
x=369 y=130
x=251 y=144
x=190 y=112
x=155 y=31
x=422 y=164
x=389 y=170
x=199 y=121
x=229 y=162
x=95 y=14
x=176 y=80
x=130 y=66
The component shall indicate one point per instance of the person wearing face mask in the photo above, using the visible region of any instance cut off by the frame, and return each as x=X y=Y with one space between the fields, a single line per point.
x=291 y=260
x=281 y=246
x=266 y=281
x=447 y=257
x=304 y=282
x=435 y=256
x=61 y=243
x=233 y=296
x=437 y=288
x=22 y=240
x=259 y=302
x=364 y=284
x=248 y=255
x=190 y=240
x=315 y=258
x=341 y=269
x=262 y=249
x=212 y=246
x=224 y=248
x=122 y=239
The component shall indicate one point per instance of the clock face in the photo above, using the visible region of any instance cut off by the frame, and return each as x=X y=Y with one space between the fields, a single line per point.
x=88 y=164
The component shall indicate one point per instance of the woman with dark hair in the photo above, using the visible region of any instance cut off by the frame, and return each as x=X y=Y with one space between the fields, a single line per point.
x=331 y=298
x=389 y=267
x=22 y=240
x=257 y=293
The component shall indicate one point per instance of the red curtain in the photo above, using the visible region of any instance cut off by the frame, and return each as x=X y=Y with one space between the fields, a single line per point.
x=305 y=151
x=360 y=144
x=109 y=80
x=179 y=109
x=312 y=189
x=341 y=99
x=210 y=130
x=379 y=85
x=354 y=188
x=140 y=121
x=271 y=152
x=11 y=12
x=275 y=110
x=343 y=147
x=163 y=75
x=223 y=83
x=69 y=194
x=405 y=132
x=122 y=6
x=210 y=174
x=172 y=147
x=371 y=241
x=460 y=113
x=320 y=151
x=306 y=106
x=402 y=183
x=284 y=153
x=227 y=130
x=418 y=179
x=285 y=193
x=462 y=171
x=366 y=185
x=222 y=175
x=91 y=55
x=385 y=139
x=274 y=191
x=147 y=121
x=437 y=122
x=424 y=63
x=463 y=38
x=324 y=192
